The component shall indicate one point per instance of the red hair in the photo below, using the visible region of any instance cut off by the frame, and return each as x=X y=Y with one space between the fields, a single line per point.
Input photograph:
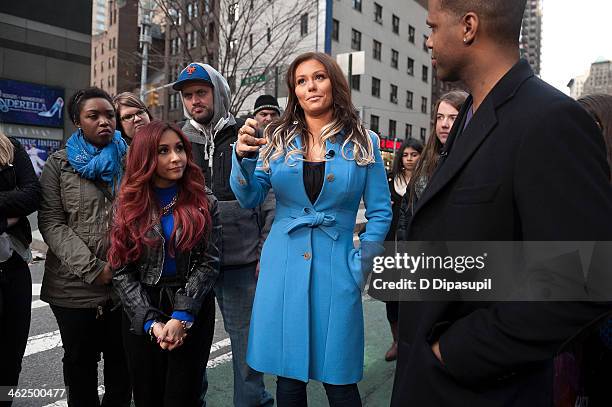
x=136 y=207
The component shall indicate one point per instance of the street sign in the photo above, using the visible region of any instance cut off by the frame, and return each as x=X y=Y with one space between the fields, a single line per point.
x=358 y=65
x=249 y=80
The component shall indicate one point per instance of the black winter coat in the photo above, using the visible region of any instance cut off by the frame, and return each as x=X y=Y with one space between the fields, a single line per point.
x=20 y=194
x=529 y=157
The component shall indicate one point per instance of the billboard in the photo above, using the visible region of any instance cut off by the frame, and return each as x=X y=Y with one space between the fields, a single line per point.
x=39 y=150
x=29 y=103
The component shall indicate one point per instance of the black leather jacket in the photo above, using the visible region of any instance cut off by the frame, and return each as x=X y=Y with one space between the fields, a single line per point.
x=196 y=273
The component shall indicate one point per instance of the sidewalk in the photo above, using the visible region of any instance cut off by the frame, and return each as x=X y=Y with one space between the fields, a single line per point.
x=375 y=388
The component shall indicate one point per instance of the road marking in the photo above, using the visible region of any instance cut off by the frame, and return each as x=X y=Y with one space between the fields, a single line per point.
x=219 y=345
x=39 y=304
x=43 y=342
x=64 y=402
x=219 y=360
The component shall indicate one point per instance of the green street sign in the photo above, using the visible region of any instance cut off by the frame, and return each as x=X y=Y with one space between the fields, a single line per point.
x=253 y=79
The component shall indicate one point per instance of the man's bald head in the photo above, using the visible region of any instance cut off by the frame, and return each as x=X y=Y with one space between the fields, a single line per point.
x=501 y=19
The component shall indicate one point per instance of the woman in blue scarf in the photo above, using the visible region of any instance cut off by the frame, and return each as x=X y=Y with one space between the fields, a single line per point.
x=79 y=184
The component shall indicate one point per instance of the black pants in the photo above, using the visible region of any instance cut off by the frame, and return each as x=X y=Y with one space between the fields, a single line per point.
x=170 y=378
x=87 y=333
x=292 y=393
x=15 y=310
x=392 y=311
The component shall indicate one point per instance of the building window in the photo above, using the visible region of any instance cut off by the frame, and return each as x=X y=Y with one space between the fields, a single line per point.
x=408 y=133
x=392 y=128
x=374 y=123
x=378 y=13
x=376 y=50
x=394 y=59
x=356 y=82
x=250 y=40
x=410 y=66
x=409 y=99
x=190 y=11
x=425 y=74
x=396 y=24
x=411 y=34
x=356 y=40
x=423 y=134
x=114 y=43
x=95 y=71
x=375 y=87
x=234 y=10
x=304 y=24
x=102 y=49
x=357 y=5
x=393 y=94
x=335 y=30
x=425 y=37
x=269 y=35
x=423 y=104
x=101 y=66
x=95 y=52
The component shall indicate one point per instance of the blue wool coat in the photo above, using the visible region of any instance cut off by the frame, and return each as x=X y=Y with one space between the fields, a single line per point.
x=307 y=320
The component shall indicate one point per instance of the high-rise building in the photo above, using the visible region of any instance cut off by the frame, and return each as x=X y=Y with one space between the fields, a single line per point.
x=98 y=17
x=600 y=78
x=45 y=54
x=531 y=34
x=115 y=63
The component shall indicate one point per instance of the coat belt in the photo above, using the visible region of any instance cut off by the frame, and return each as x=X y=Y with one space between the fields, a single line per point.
x=312 y=219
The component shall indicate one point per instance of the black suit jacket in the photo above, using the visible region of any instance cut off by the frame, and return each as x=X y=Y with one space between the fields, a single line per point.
x=530 y=165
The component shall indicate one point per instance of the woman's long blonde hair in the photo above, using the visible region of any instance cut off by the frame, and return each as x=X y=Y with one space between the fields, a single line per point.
x=7 y=150
x=282 y=134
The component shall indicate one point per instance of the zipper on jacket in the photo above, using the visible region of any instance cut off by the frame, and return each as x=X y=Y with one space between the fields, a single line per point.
x=163 y=256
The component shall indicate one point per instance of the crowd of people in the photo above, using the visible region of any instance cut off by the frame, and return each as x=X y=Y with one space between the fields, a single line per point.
x=147 y=223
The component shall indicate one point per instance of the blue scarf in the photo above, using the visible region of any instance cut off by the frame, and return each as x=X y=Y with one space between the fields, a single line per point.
x=95 y=163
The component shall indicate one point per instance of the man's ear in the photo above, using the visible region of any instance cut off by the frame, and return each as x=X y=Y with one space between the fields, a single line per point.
x=471 y=25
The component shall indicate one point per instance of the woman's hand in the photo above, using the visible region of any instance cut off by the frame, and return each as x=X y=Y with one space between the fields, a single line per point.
x=158 y=331
x=248 y=142
x=173 y=335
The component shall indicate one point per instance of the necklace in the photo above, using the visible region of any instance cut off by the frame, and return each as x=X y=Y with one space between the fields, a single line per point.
x=168 y=208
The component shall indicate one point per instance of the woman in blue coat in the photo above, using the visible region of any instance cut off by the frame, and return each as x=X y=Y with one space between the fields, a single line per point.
x=307 y=320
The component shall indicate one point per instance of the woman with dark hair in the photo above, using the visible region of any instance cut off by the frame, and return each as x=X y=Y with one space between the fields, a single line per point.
x=447 y=108
x=78 y=187
x=599 y=107
x=165 y=255
x=307 y=320
x=404 y=163
x=19 y=197
x=132 y=114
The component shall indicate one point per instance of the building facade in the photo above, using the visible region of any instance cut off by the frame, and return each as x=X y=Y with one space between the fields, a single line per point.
x=44 y=59
x=116 y=64
x=600 y=78
x=576 y=85
x=531 y=34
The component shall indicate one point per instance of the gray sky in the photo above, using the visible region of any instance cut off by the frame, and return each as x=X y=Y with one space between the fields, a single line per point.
x=575 y=34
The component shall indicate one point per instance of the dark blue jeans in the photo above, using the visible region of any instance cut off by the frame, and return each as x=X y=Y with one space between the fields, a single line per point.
x=292 y=393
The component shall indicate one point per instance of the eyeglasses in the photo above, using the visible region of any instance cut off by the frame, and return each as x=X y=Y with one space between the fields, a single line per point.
x=131 y=116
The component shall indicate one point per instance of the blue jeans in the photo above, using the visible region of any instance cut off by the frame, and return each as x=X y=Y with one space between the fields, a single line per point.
x=235 y=291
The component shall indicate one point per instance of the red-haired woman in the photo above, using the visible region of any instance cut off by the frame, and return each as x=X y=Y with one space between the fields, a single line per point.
x=165 y=255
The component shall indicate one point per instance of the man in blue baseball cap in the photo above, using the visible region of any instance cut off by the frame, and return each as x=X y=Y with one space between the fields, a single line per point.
x=212 y=130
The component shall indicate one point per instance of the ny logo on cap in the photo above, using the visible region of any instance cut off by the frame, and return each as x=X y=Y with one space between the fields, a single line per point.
x=190 y=69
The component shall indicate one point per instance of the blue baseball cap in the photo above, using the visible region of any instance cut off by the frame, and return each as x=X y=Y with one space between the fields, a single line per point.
x=192 y=73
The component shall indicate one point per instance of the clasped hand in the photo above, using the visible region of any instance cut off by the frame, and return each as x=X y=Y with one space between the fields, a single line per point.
x=169 y=335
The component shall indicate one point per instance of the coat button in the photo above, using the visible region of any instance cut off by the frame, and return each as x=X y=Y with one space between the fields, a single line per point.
x=241 y=181
x=307 y=256
x=331 y=178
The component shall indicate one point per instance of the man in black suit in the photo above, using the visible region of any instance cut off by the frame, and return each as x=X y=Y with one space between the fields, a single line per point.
x=523 y=162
